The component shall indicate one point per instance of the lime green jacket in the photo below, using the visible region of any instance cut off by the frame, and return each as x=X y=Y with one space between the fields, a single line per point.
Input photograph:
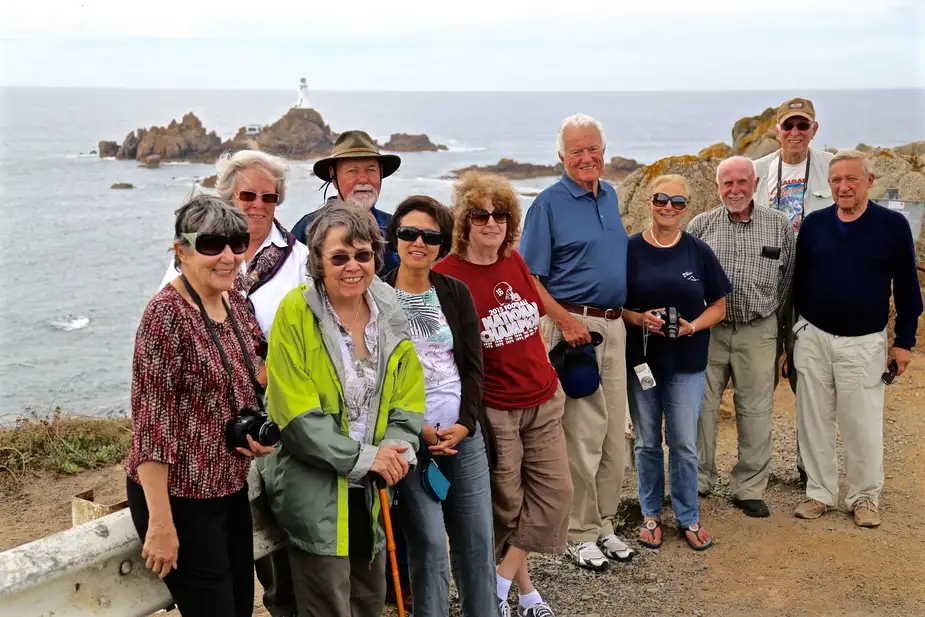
x=307 y=479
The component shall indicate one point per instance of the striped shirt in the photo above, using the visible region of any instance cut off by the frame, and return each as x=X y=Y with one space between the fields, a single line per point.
x=757 y=256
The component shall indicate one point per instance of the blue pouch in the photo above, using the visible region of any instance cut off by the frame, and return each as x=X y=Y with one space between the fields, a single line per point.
x=435 y=483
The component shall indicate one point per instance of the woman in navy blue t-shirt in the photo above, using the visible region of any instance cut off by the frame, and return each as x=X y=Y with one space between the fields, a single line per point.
x=669 y=271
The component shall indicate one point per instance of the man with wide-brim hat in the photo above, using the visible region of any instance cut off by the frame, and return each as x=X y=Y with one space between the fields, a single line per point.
x=355 y=168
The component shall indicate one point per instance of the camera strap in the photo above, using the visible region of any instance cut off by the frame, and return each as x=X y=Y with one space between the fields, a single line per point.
x=258 y=389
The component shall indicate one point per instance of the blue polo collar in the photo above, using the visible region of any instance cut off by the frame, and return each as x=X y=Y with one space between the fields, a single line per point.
x=576 y=190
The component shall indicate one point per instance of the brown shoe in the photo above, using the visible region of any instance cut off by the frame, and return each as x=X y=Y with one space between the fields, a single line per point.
x=866 y=514
x=811 y=508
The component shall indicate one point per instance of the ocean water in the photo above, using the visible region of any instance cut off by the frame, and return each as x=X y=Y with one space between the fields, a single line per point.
x=80 y=261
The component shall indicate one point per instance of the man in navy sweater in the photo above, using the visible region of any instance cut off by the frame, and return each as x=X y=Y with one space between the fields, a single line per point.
x=847 y=258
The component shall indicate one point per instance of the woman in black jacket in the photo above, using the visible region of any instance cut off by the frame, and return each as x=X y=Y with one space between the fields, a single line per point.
x=445 y=329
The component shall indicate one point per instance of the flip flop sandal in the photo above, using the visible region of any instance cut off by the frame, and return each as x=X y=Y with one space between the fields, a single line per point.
x=650 y=526
x=695 y=529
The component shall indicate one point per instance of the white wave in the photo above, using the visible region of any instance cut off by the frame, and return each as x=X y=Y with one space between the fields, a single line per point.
x=69 y=323
x=79 y=156
x=455 y=146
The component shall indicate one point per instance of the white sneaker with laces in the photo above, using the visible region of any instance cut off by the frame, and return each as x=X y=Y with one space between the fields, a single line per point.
x=614 y=548
x=540 y=609
x=587 y=555
x=504 y=608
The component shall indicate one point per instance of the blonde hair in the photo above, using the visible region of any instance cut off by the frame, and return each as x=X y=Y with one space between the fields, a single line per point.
x=469 y=192
x=666 y=178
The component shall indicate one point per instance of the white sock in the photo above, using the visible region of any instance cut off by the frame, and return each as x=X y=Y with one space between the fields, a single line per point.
x=504 y=587
x=530 y=599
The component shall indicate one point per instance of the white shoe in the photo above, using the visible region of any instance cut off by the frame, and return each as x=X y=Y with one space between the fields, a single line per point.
x=504 y=608
x=587 y=555
x=614 y=548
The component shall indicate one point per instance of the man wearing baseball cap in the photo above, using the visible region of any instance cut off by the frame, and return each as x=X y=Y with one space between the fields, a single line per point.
x=356 y=170
x=794 y=180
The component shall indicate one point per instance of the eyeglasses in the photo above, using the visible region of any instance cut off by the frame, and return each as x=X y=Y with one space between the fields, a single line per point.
x=249 y=196
x=678 y=202
x=479 y=216
x=803 y=125
x=342 y=259
x=411 y=234
x=214 y=244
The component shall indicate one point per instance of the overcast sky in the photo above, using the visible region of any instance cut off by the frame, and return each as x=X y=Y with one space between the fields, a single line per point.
x=469 y=45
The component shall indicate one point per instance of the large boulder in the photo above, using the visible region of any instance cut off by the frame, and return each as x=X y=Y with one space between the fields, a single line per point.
x=893 y=170
x=513 y=170
x=300 y=133
x=129 y=147
x=404 y=142
x=108 y=149
x=716 y=151
x=756 y=136
x=187 y=139
x=620 y=167
x=700 y=173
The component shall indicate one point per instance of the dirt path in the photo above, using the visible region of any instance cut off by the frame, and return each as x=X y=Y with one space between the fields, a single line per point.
x=776 y=567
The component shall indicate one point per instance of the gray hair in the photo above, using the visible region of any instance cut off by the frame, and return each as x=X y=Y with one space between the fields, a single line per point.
x=853 y=155
x=735 y=159
x=207 y=214
x=231 y=166
x=360 y=226
x=579 y=121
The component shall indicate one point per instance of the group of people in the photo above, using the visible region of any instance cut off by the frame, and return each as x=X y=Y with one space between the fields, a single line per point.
x=479 y=363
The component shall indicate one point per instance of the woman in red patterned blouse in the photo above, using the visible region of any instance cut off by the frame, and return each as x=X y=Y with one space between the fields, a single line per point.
x=186 y=488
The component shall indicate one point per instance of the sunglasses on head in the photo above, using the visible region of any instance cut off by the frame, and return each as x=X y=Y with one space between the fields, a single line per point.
x=342 y=259
x=214 y=244
x=267 y=198
x=479 y=216
x=411 y=234
x=803 y=125
x=678 y=202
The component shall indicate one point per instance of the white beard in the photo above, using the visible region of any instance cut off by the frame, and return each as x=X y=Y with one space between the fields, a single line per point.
x=363 y=195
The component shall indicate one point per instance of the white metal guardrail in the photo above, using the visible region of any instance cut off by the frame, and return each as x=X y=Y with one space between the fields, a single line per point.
x=96 y=569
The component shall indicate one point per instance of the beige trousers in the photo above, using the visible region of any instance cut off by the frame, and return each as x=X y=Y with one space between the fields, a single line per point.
x=840 y=384
x=745 y=352
x=594 y=433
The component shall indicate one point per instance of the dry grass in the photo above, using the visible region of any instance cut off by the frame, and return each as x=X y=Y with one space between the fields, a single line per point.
x=61 y=443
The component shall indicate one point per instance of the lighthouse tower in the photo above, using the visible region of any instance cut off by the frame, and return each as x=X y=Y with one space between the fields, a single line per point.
x=302 y=100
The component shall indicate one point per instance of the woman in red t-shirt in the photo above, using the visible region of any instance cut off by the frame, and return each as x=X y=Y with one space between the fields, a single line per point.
x=531 y=486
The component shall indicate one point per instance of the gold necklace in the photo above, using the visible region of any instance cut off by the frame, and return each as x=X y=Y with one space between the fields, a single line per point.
x=664 y=246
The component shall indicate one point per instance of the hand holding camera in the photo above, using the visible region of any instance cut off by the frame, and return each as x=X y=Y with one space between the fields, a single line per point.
x=666 y=322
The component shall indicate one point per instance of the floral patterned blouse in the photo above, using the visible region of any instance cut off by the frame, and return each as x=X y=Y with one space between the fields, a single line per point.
x=180 y=396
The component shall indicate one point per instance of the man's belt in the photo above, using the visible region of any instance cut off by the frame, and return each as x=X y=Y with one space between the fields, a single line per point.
x=590 y=311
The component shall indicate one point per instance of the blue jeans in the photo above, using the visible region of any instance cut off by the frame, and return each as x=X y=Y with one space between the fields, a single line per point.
x=676 y=397
x=466 y=517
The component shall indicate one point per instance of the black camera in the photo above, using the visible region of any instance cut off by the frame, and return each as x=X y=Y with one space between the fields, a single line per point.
x=253 y=423
x=670 y=317
x=890 y=375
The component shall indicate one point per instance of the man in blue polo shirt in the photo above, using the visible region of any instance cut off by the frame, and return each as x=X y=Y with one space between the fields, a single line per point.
x=575 y=245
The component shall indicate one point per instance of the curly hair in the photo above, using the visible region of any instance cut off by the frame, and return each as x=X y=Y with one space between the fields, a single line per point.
x=469 y=192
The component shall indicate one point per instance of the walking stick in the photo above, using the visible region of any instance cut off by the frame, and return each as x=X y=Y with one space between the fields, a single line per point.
x=390 y=544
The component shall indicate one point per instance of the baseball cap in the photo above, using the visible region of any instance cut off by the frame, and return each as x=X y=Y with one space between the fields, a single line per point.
x=577 y=367
x=796 y=107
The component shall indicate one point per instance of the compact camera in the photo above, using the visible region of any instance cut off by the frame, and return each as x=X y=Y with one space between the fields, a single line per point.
x=888 y=377
x=670 y=317
x=254 y=423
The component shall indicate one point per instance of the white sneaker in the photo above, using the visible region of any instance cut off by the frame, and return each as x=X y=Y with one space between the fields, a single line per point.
x=614 y=548
x=540 y=609
x=504 y=608
x=587 y=555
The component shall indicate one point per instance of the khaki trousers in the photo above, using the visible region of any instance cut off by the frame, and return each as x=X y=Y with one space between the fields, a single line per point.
x=594 y=433
x=745 y=352
x=840 y=385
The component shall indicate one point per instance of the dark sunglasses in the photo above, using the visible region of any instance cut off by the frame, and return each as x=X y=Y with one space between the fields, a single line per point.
x=411 y=234
x=678 y=202
x=214 y=244
x=480 y=217
x=342 y=259
x=803 y=125
x=267 y=198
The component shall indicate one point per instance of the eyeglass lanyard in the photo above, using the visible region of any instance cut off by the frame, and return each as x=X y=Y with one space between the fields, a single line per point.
x=780 y=171
x=258 y=390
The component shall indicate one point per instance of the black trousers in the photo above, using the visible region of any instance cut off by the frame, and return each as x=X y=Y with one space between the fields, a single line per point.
x=215 y=564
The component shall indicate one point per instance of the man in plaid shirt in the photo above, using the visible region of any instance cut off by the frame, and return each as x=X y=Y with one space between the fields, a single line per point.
x=755 y=246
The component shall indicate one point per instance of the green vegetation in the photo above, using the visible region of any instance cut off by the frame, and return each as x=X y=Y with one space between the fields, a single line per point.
x=62 y=443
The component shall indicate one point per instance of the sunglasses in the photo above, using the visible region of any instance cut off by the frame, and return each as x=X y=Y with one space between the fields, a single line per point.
x=803 y=125
x=249 y=196
x=411 y=234
x=480 y=217
x=342 y=259
x=678 y=202
x=214 y=244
